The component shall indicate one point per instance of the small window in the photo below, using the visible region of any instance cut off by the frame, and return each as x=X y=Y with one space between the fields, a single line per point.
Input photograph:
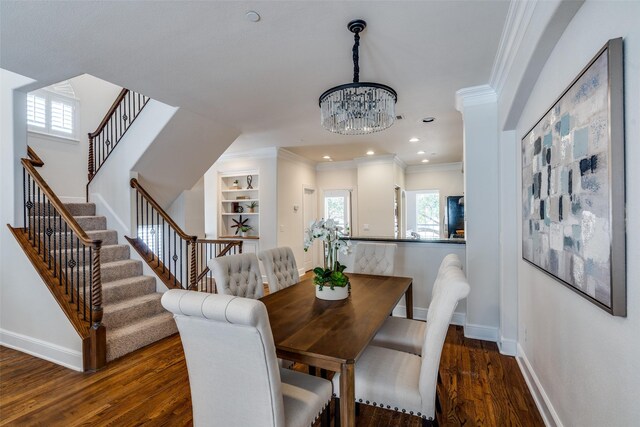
x=337 y=206
x=423 y=214
x=53 y=114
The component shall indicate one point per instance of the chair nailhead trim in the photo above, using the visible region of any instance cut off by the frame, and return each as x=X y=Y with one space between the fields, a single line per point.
x=382 y=405
x=360 y=400
x=367 y=402
x=419 y=414
x=395 y=409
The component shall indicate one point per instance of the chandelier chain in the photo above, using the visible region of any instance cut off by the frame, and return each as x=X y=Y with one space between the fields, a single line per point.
x=356 y=66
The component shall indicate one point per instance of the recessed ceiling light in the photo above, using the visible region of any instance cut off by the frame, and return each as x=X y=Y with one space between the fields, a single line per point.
x=252 y=16
x=326 y=157
x=420 y=152
x=370 y=153
x=428 y=119
x=414 y=139
x=425 y=160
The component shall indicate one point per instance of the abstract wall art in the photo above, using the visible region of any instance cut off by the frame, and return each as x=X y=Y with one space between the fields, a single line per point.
x=573 y=203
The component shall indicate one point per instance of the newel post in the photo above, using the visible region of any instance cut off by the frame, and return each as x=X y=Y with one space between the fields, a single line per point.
x=90 y=160
x=97 y=333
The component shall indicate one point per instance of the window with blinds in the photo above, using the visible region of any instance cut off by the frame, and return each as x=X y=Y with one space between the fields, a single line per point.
x=52 y=114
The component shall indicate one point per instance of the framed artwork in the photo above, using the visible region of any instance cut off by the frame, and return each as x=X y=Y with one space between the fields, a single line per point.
x=573 y=192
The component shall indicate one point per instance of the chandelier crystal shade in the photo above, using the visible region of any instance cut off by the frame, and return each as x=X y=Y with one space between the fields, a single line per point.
x=358 y=108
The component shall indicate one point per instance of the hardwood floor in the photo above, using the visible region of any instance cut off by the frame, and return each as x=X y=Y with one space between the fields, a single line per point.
x=480 y=387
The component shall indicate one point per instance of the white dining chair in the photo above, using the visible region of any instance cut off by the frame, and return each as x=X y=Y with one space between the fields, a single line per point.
x=233 y=372
x=237 y=275
x=405 y=382
x=407 y=335
x=280 y=267
x=375 y=258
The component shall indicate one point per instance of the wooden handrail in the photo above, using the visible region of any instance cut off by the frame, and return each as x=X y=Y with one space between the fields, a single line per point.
x=107 y=116
x=36 y=161
x=135 y=184
x=59 y=206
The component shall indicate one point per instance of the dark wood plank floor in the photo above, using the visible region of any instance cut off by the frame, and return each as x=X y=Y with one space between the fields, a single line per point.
x=150 y=386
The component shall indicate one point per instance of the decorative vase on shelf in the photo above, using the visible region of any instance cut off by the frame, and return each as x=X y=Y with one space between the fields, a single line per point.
x=331 y=283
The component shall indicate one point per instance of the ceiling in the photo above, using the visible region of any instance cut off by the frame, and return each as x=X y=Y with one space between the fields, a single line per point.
x=265 y=78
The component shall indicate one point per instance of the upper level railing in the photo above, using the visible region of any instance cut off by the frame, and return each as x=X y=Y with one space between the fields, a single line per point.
x=65 y=257
x=179 y=259
x=113 y=126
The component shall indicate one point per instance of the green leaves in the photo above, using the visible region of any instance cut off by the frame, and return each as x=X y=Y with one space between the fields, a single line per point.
x=327 y=277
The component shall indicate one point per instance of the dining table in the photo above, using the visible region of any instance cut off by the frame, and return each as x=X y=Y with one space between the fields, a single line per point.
x=332 y=335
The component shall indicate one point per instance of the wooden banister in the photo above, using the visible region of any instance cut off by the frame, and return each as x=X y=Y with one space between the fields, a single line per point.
x=58 y=205
x=135 y=184
x=110 y=112
x=34 y=158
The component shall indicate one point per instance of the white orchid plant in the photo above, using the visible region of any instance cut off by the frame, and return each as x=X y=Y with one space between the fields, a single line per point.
x=330 y=233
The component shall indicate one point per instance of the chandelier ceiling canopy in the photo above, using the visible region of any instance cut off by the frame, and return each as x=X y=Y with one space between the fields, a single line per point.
x=358 y=108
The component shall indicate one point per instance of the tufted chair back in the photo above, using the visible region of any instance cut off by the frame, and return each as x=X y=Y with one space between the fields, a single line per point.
x=280 y=266
x=231 y=359
x=237 y=275
x=374 y=258
x=449 y=265
x=441 y=310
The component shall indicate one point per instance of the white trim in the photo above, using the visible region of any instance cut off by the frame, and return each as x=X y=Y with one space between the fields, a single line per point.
x=53 y=138
x=515 y=27
x=508 y=347
x=301 y=271
x=346 y=164
x=476 y=95
x=288 y=155
x=420 y=313
x=258 y=153
x=457 y=166
x=62 y=356
x=398 y=161
x=380 y=159
x=481 y=332
x=546 y=409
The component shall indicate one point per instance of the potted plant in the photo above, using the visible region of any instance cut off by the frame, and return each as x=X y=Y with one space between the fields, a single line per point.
x=330 y=281
x=244 y=230
x=252 y=206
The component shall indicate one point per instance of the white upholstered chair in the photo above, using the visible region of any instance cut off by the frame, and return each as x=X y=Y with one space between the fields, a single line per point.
x=405 y=382
x=280 y=266
x=233 y=372
x=374 y=258
x=237 y=275
x=407 y=335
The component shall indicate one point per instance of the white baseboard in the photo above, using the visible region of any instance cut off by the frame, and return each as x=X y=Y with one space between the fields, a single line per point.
x=547 y=411
x=66 y=357
x=481 y=332
x=508 y=347
x=420 y=313
x=72 y=199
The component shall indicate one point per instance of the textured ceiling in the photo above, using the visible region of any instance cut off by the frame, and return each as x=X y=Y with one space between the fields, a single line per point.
x=264 y=78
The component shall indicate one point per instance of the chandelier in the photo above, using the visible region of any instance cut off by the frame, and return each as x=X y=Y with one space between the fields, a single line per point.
x=358 y=108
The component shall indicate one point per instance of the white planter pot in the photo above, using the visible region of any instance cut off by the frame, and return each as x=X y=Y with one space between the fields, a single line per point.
x=337 y=293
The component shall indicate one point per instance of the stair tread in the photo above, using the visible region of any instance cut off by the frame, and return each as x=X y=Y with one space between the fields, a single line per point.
x=127 y=281
x=120 y=262
x=142 y=323
x=131 y=302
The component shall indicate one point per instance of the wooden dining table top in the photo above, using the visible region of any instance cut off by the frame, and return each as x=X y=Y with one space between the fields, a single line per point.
x=331 y=333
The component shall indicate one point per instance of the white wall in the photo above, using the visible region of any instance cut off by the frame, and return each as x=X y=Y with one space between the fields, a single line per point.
x=448 y=179
x=586 y=362
x=187 y=210
x=293 y=176
x=375 y=197
x=65 y=168
x=30 y=319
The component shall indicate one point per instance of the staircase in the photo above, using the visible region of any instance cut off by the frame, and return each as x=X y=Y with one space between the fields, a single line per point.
x=132 y=313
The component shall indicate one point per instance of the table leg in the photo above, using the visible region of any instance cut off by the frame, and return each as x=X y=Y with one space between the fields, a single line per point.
x=347 y=395
x=408 y=298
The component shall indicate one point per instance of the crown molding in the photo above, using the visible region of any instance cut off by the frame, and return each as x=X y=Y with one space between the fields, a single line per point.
x=258 y=153
x=437 y=167
x=326 y=166
x=288 y=155
x=518 y=19
x=476 y=95
x=398 y=161
x=378 y=159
